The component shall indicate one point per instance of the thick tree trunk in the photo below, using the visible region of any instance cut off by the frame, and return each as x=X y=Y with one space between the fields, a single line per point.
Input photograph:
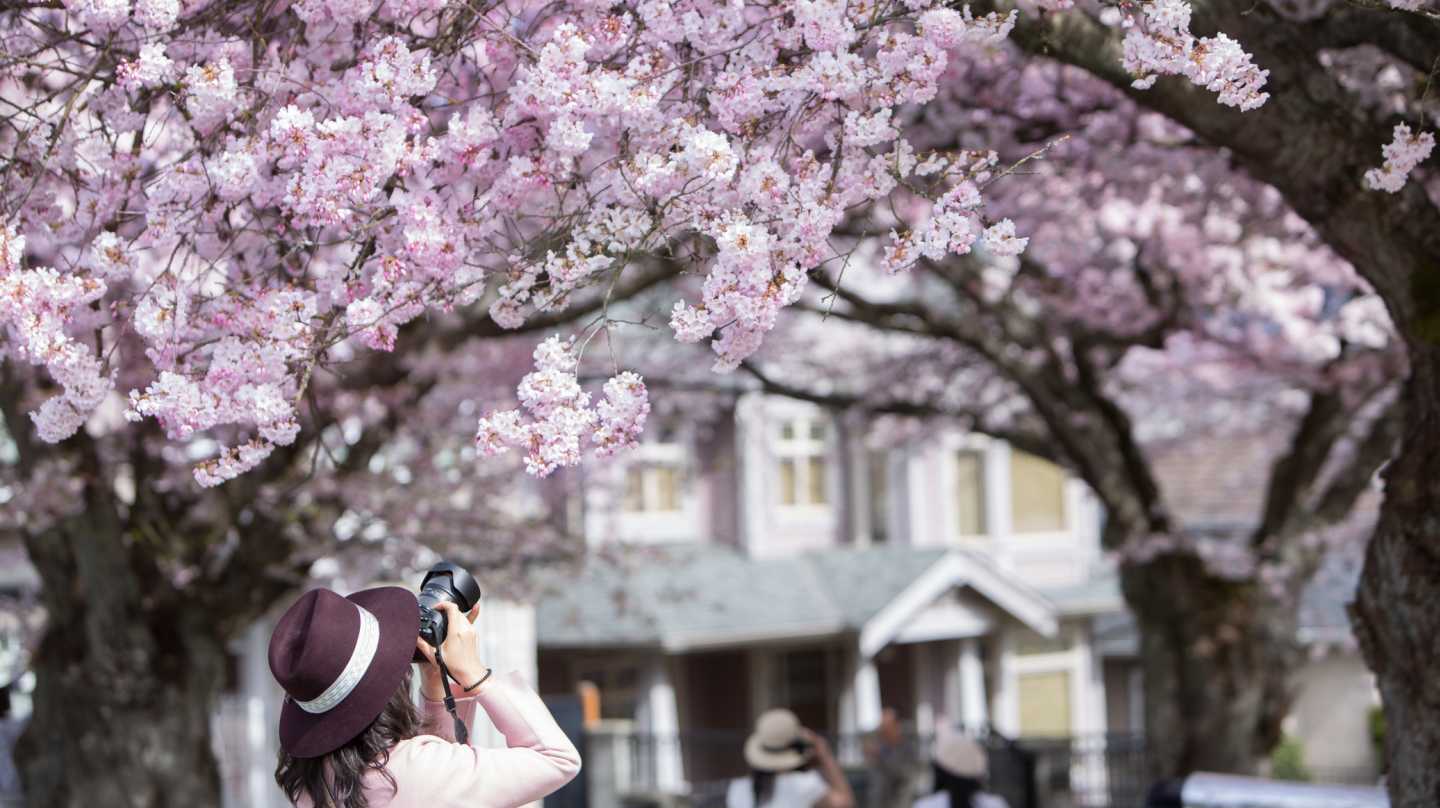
x=1397 y=610
x=1218 y=656
x=126 y=678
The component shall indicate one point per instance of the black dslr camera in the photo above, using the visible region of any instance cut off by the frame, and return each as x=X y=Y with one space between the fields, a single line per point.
x=444 y=581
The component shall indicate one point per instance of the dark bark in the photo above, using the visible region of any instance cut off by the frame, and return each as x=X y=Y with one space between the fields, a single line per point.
x=1313 y=141
x=132 y=655
x=1217 y=657
x=126 y=679
x=1397 y=610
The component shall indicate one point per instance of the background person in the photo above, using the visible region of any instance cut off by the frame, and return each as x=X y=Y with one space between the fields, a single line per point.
x=893 y=762
x=351 y=737
x=790 y=767
x=960 y=766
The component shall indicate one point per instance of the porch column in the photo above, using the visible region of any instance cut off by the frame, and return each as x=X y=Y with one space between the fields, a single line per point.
x=929 y=688
x=867 y=696
x=1007 y=686
x=859 y=705
x=753 y=453
x=663 y=723
x=974 y=712
x=762 y=682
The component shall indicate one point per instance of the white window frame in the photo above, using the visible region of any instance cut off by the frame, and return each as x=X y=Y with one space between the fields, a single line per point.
x=1087 y=696
x=801 y=449
x=1058 y=558
x=647 y=458
x=994 y=493
x=608 y=519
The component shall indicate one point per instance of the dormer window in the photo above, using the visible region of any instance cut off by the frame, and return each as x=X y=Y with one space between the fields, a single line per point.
x=802 y=450
x=655 y=475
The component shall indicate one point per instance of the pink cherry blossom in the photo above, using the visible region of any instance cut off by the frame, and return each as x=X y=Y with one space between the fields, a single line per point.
x=1402 y=154
x=621 y=414
x=1160 y=43
x=151 y=69
x=222 y=220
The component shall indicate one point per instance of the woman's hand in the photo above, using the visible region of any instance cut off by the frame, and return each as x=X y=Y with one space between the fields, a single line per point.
x=840 y=794
x=461 y=650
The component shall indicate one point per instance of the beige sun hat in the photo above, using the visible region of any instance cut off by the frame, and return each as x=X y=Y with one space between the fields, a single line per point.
x=961 y=756
x=777 y=744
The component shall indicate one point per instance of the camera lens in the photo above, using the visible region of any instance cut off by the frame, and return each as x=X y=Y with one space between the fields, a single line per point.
x=444 y=582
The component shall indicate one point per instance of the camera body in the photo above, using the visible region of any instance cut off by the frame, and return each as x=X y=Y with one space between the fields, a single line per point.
x=444 y=582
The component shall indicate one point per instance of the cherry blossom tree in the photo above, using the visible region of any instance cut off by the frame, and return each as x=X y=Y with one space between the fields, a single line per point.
x=1350 y=112
x=244 y=245
x=249 y=250
x=1162 y=298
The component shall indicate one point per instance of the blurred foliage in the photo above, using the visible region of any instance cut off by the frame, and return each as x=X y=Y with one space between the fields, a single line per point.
x=1377 y=736
x=1287 y=762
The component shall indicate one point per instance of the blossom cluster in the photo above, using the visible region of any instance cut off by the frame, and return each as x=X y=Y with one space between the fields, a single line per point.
x=247 y=381
x=1160 y=44
x=34 y=306
x=556 y=417
x=1402 y=154
x=250 y=196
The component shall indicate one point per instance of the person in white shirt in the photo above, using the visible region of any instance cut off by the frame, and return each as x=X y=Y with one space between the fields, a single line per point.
x=960 y=769
x=790 y=767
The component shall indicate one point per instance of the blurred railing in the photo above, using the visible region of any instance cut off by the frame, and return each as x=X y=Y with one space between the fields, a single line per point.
x=1096 y=771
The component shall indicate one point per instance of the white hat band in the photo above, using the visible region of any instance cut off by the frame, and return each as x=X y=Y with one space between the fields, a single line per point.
x=365 y=644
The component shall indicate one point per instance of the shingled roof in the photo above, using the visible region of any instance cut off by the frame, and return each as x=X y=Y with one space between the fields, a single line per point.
x=1218 y=485
x=693 y=596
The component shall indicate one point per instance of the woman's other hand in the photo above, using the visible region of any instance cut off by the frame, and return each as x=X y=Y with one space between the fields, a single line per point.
x=461 y=651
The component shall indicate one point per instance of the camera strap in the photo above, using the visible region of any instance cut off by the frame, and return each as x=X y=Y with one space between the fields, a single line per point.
x=462 y=733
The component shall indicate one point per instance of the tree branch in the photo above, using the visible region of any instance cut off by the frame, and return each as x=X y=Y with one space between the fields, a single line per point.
x=1310 y=140
x=1411 y=38
x=1293 y=474
x=1036 y=442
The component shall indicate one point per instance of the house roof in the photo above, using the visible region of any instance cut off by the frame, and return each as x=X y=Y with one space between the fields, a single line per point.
x=1218 y=485
x=1099 y=594
x=691 y=597
x=1218 y=481
x=1323 y=615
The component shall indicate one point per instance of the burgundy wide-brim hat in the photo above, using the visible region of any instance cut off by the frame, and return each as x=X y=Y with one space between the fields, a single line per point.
x=339 y=661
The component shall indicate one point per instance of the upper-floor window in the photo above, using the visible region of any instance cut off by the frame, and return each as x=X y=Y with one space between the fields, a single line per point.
x=1037 y=494
x=803 y=457
x=655 y=476
x=970 y=491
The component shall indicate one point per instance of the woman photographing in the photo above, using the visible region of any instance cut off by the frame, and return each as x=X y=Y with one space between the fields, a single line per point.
x=961 y=766
x=790 y=767
x=351 y=736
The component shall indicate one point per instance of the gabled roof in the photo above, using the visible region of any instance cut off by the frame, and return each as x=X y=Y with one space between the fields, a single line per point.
x=683 y=598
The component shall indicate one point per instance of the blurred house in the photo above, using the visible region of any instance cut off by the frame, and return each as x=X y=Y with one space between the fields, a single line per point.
x=776 y=558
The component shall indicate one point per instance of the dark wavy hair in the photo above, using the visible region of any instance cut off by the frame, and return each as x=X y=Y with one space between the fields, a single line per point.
x=962 y=790
x=336 y=780
x=762 y=782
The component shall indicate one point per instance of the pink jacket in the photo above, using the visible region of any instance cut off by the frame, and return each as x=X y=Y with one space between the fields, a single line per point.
x=432 y=771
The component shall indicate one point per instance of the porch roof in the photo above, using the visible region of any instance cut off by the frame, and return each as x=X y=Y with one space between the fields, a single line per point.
x=681 y=598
